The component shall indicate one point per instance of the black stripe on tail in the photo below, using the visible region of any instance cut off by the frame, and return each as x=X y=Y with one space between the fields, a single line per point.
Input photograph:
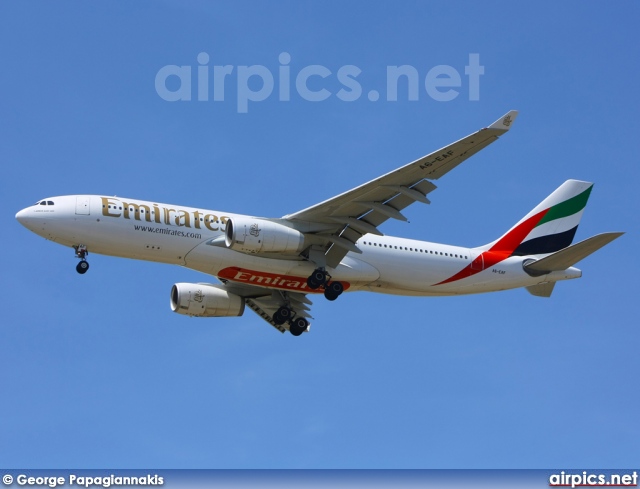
x=546 y=244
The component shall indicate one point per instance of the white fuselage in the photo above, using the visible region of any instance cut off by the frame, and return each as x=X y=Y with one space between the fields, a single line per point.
x=191 y=237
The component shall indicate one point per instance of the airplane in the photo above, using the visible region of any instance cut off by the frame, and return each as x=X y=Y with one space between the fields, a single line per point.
x=272 y=265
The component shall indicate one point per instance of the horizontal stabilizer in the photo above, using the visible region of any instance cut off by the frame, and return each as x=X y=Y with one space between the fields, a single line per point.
x=541 y=290
x=563 y=259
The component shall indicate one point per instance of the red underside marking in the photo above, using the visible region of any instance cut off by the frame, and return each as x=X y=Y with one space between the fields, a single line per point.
x=499 y=251
x=264 y=279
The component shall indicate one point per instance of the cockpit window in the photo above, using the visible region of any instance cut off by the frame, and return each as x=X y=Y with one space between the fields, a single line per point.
x=49 y=202
x=44 y=202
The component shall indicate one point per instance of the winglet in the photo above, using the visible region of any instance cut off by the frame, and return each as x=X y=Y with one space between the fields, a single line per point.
x=504 y=123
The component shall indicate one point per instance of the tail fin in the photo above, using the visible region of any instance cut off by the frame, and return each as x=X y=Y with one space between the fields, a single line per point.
x=550 y=226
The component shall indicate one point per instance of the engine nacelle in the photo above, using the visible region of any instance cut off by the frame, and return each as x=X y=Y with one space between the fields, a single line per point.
x=205 y=300
x=253 y=235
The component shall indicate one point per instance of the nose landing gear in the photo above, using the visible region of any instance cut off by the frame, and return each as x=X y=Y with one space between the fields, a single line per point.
x=82 y=267
x=82 y=252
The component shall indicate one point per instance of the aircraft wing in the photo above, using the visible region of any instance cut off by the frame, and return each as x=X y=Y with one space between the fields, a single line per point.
x=359 y=211
x=265 y=302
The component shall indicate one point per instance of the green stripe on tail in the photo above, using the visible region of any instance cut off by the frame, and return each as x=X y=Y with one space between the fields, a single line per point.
x=567 y=208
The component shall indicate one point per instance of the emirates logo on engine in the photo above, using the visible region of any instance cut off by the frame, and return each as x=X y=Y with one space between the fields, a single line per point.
x=254 y=230
x=198 y=296
x=273 y=280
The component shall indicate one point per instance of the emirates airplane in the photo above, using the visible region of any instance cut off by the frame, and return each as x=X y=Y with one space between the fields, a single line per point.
x=273 y=265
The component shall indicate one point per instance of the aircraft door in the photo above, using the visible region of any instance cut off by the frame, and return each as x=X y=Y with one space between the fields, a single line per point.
x=82 y=205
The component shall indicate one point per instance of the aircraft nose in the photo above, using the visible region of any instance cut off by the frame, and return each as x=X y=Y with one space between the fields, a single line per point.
x=21 y=216
x=24 y=217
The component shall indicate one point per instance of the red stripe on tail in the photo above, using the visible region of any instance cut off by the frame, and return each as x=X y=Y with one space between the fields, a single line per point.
x=502 y=250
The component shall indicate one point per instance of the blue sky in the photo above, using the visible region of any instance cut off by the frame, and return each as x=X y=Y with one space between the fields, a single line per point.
x=97 y=371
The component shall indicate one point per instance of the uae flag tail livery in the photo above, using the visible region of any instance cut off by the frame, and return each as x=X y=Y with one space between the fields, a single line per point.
x=550 y=226
x=542 y=238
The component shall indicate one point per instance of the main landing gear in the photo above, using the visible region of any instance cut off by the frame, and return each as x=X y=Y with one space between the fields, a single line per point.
x=320 y=278
x=297 y=325
x=81 y=252
x=282 y=315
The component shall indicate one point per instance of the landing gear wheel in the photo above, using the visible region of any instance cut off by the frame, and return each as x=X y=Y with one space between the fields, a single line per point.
x=82 y=267
x=333 y=290
x=298 y=326
x=282 y=315
x=317 y=278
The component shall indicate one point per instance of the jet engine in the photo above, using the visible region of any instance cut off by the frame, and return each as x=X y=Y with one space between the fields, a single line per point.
x=204 y=300
x=253 y=235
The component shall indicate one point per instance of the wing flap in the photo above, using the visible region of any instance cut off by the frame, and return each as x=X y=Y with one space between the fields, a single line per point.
x=251 y=303
x=336 y=253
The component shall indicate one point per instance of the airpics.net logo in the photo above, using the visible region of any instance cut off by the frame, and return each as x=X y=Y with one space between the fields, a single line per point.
x=313 y=83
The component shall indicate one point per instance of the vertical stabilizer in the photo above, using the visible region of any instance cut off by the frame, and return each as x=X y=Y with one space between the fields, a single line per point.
x=550 y=226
